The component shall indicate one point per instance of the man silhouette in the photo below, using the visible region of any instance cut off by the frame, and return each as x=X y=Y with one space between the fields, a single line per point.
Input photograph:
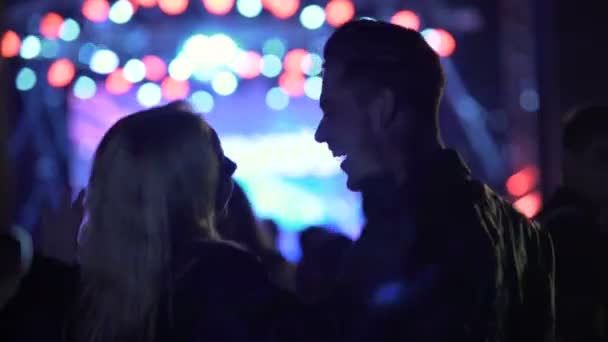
x=442 y=257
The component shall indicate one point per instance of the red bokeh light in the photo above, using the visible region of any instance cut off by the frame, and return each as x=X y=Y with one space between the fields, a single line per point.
x=523 y=181
x=406 y=19
x=145 y=3
x=11 y=44
x=117 y=84
x=50 y=25
x=441 y=41
x=96 y=10
x=174 y=90
x=248 y=65
x=173 y=7
x=294 y=59
x=219 y=7
x=338 y=12
x=282 y=9
x=156 y=68
x=530 y=204
x=292 y=83
x=61 y=73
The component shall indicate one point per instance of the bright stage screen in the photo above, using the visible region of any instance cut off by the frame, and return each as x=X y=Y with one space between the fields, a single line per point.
x=287 y=175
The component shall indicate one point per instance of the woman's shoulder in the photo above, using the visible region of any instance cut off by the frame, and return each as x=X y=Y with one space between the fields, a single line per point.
x=220 y=264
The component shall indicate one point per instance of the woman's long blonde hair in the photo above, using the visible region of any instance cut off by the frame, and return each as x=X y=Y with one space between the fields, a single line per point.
x=152 y=188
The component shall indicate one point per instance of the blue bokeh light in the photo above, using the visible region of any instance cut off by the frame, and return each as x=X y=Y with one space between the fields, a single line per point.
x=26 y=79
x=84 y=88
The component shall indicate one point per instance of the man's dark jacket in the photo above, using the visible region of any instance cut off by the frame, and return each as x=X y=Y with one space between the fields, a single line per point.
x=581 y=254
x=444 y=258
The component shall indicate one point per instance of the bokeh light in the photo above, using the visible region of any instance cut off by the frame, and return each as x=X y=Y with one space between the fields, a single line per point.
x=84 y=88
x=224 y=83
x=117 y=84
x=86 y=52
x=104 y=61
x=523 y=181
x=312 y=64
x=293 y=60
x=134 y=71
x=202 y=101
x=61 y=73
x=173 y=7
x=96 y=10
x=441 y=41
x=530 y=204
x=248 y=65
x=121 y=12
x=156 y=69
x=50 y=25
x=180 y=69
x=292 y=83
x=174 y=90
x=211 y=52
x=49 y=48
x=274 y=46
x=26 y=79
x=282 y=9
x=145 y=3
x=407 y=19
x=338 y=12
x=312 y=87
x=30 y=47
x=249 y=8
x=218 y=7
x=70 y=30
x=204 y=74
x=529 y=100
x=312 y=17
x=277 y=99
x=11 y=44
x=149 y=94
x=271 y=66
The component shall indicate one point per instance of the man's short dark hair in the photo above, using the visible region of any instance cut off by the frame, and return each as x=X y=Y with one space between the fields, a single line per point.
x=583 y=126
x=389 y=55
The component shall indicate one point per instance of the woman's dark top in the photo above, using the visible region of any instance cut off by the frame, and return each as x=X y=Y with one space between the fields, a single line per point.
x=220 y=293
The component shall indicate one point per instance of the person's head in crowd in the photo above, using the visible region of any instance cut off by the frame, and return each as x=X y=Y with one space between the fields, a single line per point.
x=159 y=180
x=585 y=146
x=240 y=224
x=271 y=229
x=322 y=254
x=382 y=86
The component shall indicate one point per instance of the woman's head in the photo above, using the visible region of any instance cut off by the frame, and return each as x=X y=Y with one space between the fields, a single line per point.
x=156 y=183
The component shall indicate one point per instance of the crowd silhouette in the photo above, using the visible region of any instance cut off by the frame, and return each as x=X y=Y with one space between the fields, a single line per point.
x=163 y=245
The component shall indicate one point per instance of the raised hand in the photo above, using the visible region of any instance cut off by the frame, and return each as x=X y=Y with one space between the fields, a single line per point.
x=59 y=230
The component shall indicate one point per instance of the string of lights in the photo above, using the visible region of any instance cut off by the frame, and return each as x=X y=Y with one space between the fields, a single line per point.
x=215 y=60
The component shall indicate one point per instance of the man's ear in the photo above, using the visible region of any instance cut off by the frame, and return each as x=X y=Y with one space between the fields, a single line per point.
x=382 y=110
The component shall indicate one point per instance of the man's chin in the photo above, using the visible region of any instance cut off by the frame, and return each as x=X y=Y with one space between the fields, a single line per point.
x=353 y=185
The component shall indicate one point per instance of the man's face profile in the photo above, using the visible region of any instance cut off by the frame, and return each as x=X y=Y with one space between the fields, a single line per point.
x=345 y=124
